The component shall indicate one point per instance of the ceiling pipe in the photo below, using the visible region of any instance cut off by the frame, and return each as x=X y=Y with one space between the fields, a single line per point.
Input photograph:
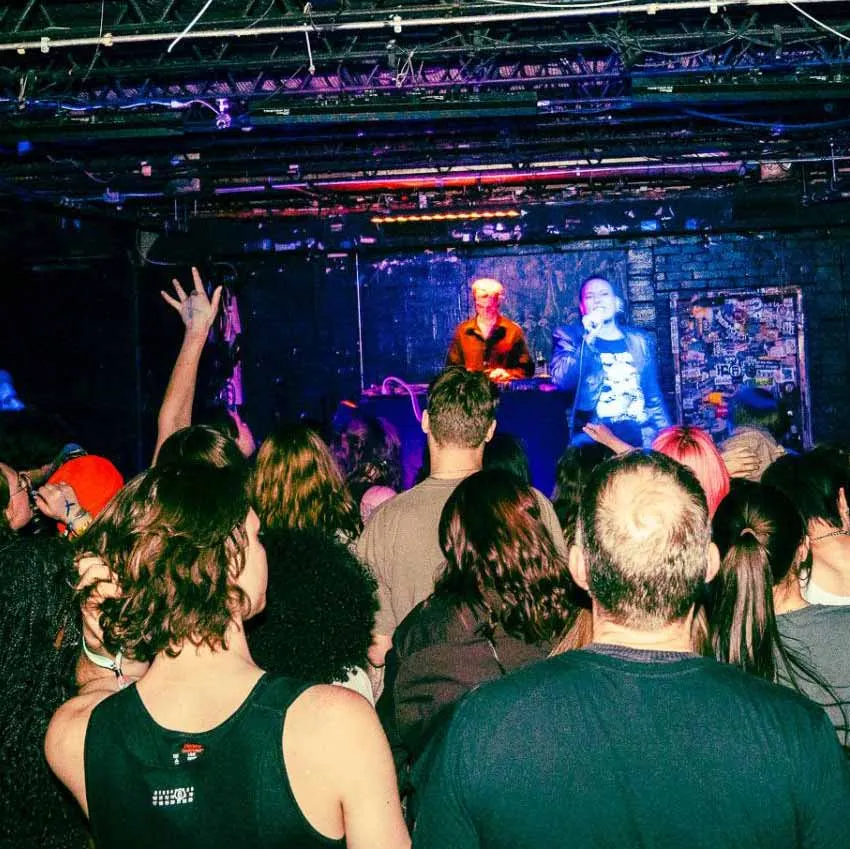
x=395 y=22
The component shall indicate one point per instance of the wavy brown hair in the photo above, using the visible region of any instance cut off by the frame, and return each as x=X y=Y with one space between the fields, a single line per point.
x=174 y=539
x=298 y=485
x=501 y=559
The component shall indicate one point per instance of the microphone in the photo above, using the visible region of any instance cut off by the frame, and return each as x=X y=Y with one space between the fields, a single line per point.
x=592 y=323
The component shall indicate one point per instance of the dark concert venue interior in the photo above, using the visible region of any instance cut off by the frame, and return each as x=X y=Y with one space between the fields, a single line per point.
x=345 y=169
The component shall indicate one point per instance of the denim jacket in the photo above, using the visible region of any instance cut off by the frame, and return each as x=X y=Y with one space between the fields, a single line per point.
x=566 y=357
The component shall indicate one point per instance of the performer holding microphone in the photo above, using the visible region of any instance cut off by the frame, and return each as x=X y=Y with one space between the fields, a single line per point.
x=490 y=342
x=611 y=369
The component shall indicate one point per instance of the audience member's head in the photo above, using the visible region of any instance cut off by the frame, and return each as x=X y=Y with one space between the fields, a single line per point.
x=694 y=448
x=368 y=449
x=461 y=409
x=762 y=542
x=373 y=498
x=39 y=647
x=182 y=545
x=231 y=424
x=837 y=453
x=506 y=451
x=817 y=483
x=752 y=406
x=94 y=480
x=320 y=609
x=643 y=545
x=297 y=484
x=204 y=444
x=15 y=501
x=574 y=468
x=500 y=557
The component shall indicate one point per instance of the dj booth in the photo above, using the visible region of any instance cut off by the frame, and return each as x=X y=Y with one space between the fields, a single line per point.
x=532 y=410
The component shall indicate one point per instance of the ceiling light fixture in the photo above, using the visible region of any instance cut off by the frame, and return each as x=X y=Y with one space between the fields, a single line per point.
x=445 y=216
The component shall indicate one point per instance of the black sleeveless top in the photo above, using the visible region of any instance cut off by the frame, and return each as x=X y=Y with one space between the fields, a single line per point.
x=150 y=787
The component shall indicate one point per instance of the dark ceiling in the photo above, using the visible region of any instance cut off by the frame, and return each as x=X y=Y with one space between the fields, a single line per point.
x=150 y=108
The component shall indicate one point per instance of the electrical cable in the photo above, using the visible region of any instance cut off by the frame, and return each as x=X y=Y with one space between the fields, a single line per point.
x=189 y=26
x=766 y=125
x=263 y=16
x=814 y=20
x=407 y=388
x=99 y=43
x=578 y=6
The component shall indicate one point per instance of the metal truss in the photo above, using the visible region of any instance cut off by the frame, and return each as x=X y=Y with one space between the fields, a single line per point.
x=313 y=104
x=576 y=56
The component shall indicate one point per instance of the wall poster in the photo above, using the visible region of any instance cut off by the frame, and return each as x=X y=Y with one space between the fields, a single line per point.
x=728 y=339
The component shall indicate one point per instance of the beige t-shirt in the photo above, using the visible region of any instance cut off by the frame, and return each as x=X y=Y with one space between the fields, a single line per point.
x=401 y=546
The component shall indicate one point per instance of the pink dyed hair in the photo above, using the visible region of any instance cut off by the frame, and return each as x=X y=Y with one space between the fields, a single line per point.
x=694 y=448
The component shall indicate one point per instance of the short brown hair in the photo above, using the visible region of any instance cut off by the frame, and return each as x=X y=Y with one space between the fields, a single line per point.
x=175 y=540
x=461 y=407
x=644 y=533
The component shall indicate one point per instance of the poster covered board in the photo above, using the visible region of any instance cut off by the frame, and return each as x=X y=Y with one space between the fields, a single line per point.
x=727 y=339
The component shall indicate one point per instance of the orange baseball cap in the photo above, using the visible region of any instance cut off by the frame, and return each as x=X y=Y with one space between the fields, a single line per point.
x=94 y=479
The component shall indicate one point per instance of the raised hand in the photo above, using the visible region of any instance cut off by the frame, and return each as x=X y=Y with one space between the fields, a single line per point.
x=602 y=433
x=196 y=309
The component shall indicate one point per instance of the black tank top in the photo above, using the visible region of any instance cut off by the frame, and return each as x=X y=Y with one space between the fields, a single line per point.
x=150 y=787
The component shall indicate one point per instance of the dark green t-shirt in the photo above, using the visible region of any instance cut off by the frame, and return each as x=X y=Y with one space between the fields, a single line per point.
x=595 y=750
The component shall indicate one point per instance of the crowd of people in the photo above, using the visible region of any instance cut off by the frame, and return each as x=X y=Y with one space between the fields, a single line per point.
x=281 y=647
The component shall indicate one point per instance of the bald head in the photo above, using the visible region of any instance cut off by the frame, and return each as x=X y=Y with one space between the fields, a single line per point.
x=644 y=535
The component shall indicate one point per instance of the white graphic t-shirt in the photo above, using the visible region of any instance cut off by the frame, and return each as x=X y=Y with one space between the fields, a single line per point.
x=621 y=397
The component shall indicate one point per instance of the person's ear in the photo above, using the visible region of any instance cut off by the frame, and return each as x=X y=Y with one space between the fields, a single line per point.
x=490 y=431
x=620 y=304
x=578 y=567
x=425 y=424
x=713 y=566
x=802 y=553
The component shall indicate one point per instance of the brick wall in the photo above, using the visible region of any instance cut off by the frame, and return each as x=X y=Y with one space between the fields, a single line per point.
x=819 y=263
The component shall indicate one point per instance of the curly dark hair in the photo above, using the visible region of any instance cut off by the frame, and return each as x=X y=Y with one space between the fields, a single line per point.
x=39 y=645
x=175 y=539
x=501 y=558
x=320 y=607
